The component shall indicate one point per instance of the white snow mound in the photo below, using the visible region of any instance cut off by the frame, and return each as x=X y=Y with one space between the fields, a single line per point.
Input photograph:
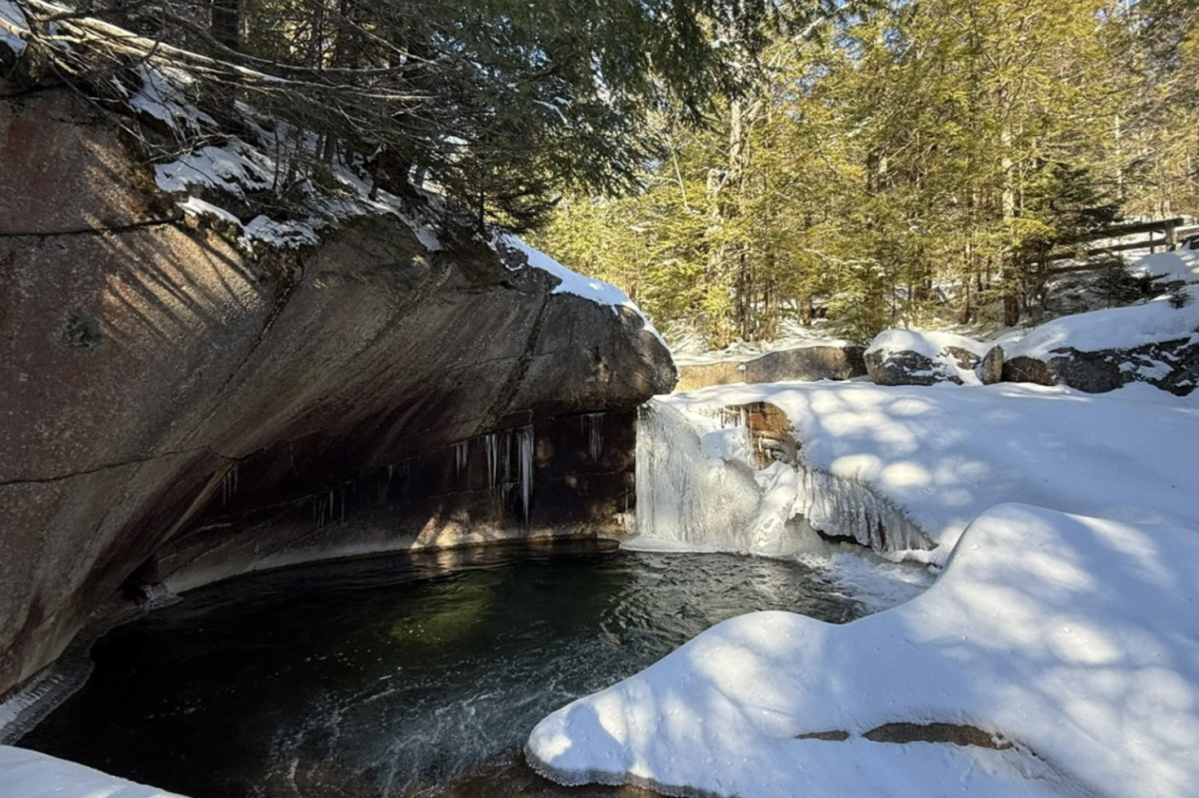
x=1179 y=265
x=930 y=344
x=1074 y=638
x=28 y=774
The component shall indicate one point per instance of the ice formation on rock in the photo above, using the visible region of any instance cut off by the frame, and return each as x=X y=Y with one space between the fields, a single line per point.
x=500 y=448
x=593 y=429
x=706 y=481
x=461 y=455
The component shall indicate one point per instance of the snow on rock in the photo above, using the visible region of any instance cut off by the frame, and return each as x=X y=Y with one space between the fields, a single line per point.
x=287 y=235
x=163 y=96
x=194 y=206
x=1071 y=644
x=233 y=169
x=28 y=774
x=12 y=22
x=930 y=344
x=1180 y=265
x=1115 y=328
x=932 y=457
x=569 y=282
x=911 y=357
x=237 y=168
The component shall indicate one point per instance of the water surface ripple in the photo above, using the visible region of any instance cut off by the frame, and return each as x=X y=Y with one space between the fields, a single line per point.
x=398 y=676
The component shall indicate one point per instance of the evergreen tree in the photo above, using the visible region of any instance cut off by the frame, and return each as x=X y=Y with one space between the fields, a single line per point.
x=501 y=103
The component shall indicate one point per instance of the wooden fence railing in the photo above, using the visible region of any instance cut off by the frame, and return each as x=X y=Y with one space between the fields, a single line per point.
x=1171 y=231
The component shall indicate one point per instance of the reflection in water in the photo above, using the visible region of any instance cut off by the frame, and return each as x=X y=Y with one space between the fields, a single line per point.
x=402 y=676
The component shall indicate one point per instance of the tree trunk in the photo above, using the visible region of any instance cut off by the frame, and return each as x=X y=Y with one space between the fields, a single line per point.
x=226 y=23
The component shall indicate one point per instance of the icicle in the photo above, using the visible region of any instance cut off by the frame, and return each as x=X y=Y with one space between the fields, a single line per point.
x=489 y=444
x=506 y=460
x=229 y=484
x=461 y=453
x=524 y=438
x=593 y=428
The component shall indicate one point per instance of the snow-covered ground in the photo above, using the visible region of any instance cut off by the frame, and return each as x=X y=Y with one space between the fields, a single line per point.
x=28 y=774
x=1073 y=640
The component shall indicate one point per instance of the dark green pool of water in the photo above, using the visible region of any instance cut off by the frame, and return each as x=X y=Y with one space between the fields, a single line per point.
x=397 y=676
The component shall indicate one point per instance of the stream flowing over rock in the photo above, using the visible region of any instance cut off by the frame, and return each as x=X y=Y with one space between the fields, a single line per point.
x=175 y=412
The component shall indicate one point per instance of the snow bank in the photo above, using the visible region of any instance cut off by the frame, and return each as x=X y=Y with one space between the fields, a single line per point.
x=1117 y=328
x=28 y=774
x=569 y=282
x=1076 y=639
x=936 y=457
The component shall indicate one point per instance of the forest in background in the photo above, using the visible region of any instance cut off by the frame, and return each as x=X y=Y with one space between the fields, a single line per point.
x=905 y=163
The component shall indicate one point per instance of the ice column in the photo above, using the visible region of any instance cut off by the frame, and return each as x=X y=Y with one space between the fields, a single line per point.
x=524 y=440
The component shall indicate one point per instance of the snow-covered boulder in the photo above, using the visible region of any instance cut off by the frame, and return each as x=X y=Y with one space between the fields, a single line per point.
x=909 y=357
x=1156 y=343
x=1167 y=269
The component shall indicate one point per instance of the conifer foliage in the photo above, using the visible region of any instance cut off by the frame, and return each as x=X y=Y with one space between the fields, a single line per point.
x=502 y=104
x=908 y=162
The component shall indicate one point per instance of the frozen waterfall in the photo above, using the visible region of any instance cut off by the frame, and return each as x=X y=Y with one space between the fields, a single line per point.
x=708 y=480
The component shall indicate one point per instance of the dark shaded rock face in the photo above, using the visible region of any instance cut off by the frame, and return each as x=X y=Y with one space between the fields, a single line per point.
x=991 y=368
x=172 y=411
x=802 y=364
x=902 y=368
x=1169 y=365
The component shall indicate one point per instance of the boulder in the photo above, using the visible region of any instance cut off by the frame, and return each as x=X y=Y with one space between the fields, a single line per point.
x=807 y=364
x=990 y=370
x=803 y=364
x=1169 y=365
x=905 y=368
x=174 y=411
x=907 y=357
